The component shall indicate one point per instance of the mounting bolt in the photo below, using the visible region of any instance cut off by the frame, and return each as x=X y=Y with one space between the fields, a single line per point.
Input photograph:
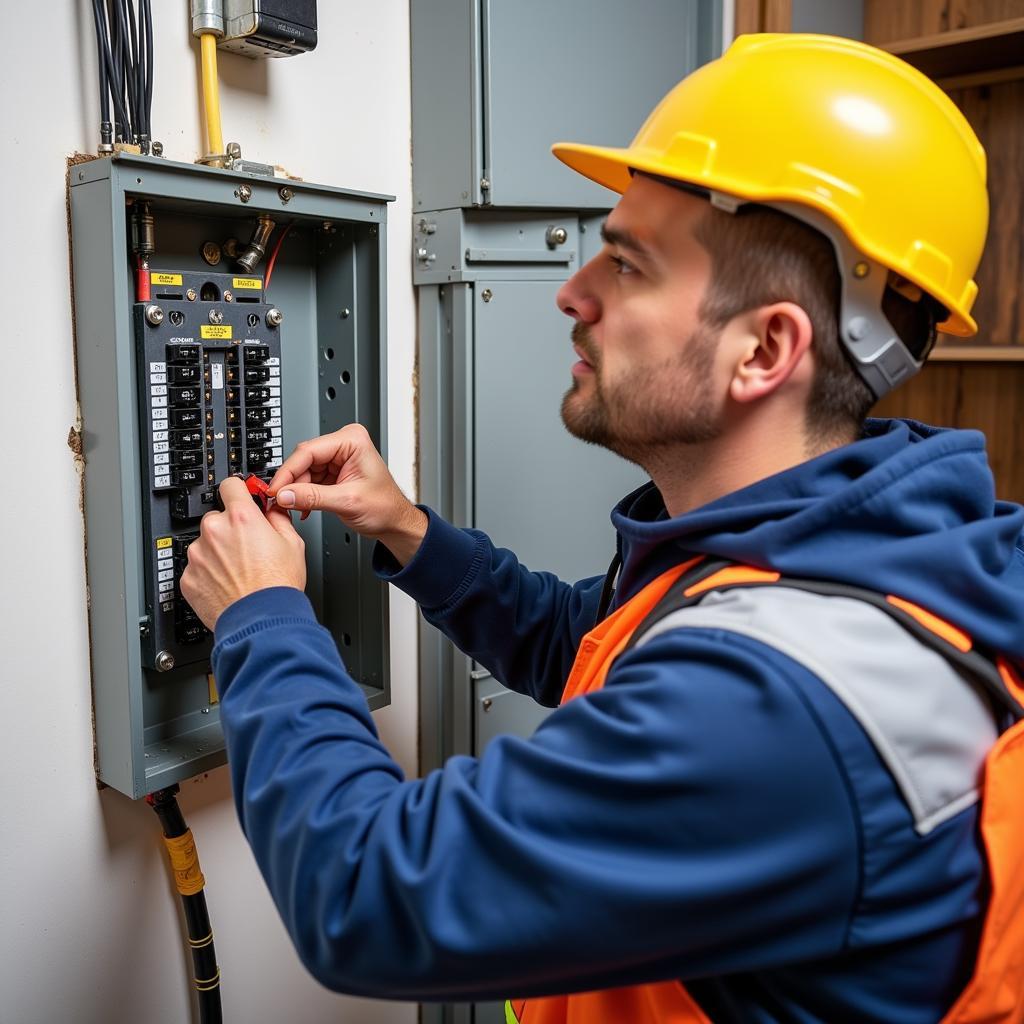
x=427 y=227
x=211 y=253
x=164 y=661
x=154 y=315
x=487 y=295
x=346 y=313
x=233 y=151
x=425 y=257
x=144 y=628
x=244 y=192
x=216 y=316
x=191 y=295
x=285 y=193
x=228 y=296
x=274 y=317
x=485 y=184
x=487 y=704
x=157 y=149
x=556 y=236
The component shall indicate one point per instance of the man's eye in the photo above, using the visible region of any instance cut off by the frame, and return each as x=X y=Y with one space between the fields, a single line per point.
x=622 y=266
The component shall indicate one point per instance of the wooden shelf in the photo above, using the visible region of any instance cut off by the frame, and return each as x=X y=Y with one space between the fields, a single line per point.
x=994 y=47
x=977 y=353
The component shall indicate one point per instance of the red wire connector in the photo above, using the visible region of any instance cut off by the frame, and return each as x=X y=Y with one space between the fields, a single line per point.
x=260 y=491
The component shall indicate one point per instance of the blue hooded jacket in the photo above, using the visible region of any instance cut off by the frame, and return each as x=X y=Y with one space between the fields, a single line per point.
x=713 y=814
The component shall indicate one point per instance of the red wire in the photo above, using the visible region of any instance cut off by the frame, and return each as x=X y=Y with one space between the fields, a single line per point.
x=273 y=256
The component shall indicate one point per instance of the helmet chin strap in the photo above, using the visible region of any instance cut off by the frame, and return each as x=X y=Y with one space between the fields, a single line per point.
x=872 y=344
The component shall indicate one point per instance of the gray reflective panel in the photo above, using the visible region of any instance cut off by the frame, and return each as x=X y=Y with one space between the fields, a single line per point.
x=887 y=679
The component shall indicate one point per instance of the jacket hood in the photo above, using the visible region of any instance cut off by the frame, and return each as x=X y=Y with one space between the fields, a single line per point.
x=908 y=510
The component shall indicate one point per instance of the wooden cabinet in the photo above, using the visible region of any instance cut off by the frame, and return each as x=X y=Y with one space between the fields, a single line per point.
x=974 y=49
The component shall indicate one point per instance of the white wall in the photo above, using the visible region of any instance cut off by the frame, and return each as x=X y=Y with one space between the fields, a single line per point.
x=89 y=922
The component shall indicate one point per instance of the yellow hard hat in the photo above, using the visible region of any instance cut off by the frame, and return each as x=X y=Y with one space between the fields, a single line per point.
x=835 y=125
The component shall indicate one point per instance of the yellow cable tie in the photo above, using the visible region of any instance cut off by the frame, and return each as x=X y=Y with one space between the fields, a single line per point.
x=188 y=878
x=199 y=943
x=207 y=984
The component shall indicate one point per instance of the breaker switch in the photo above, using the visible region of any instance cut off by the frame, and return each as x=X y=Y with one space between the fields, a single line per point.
x=183 y=374
x=258 y=416
x=187 y=438
x=184 y=396
x=258 y=435
x=257 y=374
x=256 y=354
x=257 y=396
x=190 y=632
x=185 y=417
x=258 y=459
x=188 y=477
x=187 y=460
x=183 y=353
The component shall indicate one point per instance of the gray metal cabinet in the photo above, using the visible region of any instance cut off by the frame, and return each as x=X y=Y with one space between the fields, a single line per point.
x=496 y=82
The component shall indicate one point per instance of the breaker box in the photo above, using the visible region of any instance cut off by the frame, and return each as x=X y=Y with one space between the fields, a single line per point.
x=191 y=368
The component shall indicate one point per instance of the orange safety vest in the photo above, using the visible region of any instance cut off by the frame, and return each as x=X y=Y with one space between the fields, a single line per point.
x=995 y=993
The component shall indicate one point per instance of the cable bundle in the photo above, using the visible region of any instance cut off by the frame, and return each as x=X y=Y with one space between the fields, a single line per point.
x=125 y=47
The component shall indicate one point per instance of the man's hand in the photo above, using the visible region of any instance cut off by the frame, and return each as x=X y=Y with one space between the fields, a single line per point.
x=240 y=551
x=343 y=473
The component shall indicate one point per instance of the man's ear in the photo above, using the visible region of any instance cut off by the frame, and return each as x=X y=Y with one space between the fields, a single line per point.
x=778 y=337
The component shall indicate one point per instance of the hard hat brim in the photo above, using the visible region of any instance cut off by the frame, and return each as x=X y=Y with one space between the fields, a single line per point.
x=613 y=167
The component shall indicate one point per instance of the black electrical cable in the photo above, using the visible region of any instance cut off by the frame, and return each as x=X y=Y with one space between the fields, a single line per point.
x=106 y=128
x=110 y=72
x=189 y=881
x=147 y=7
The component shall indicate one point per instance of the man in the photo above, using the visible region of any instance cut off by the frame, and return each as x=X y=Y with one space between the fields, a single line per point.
x=761 y=796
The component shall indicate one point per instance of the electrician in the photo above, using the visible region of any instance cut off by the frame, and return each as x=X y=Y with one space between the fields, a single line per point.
x=783 y=779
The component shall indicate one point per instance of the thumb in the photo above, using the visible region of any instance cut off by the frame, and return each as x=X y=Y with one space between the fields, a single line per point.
x=308 y=497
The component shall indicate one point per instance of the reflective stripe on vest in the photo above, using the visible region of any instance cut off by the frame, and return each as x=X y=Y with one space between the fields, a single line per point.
x=858 y=646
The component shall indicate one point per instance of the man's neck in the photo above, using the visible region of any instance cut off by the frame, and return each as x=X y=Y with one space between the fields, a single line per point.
x=691 y=475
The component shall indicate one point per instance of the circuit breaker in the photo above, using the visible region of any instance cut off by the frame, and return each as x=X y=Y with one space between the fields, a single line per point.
x=194 y=365
x=209 y=358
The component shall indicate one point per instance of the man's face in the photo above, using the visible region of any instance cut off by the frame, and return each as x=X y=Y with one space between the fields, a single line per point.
x=645 y=379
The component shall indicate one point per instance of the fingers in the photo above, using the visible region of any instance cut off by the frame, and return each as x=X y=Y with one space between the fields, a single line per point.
x=281 y=521
x=233 y=492
x=308 y=497
x=321 y=452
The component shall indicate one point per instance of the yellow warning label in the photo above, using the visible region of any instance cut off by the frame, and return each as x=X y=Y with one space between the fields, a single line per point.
x=218 y=332
x=165 y=278
x=247 y=282
x=163 y=542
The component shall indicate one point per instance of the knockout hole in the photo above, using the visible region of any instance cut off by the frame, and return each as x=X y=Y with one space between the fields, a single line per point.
x=329 y=353
x=346 y=377
x=346 y=639
x=331 y=393
x=348 y=538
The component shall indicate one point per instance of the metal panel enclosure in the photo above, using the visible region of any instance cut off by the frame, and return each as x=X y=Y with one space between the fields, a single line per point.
x=496 y=82
x=156 y=728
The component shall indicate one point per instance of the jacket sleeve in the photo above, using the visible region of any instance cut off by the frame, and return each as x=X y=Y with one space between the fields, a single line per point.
x=523 y=626
x=632 y=838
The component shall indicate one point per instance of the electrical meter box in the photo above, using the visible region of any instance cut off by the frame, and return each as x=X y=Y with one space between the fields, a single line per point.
x=195 y=363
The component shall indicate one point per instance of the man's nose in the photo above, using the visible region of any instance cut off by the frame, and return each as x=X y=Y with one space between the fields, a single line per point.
x=577 y=300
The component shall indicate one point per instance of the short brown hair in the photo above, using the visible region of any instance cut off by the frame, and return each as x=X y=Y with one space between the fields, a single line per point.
x=760 y=256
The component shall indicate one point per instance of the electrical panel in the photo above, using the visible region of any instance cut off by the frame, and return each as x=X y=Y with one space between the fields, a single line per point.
x=209 y=358
x=193 y=364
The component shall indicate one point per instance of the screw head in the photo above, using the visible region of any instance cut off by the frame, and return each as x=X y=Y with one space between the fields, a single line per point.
x=244 y=192
x=253 y=319
x=164 y=661
x=274 y=317
x=346 y=313
x=143 y=629
x=211 y=253
x=487 y=295
x=191 y=295
x=556 y=236
x=157 y=149
x=285 y=193
x=234 y=151
x=860 y=269
x=216 y=316
x=154 y=315
x=176 y=317
x=487 y=704
x=228 y=296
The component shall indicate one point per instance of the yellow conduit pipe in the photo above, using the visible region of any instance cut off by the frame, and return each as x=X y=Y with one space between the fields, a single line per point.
x=211 y=93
